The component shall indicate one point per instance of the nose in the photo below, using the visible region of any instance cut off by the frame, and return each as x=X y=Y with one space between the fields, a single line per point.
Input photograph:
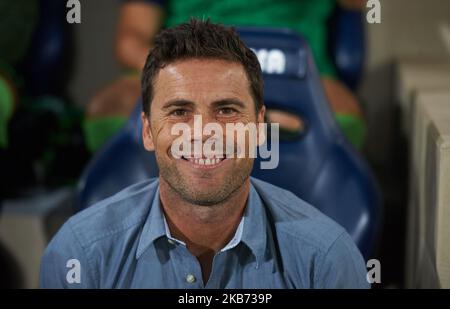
x=199 y=123
x=206 y=132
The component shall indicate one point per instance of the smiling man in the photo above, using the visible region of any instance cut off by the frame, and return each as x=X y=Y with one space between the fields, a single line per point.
x=204 y=223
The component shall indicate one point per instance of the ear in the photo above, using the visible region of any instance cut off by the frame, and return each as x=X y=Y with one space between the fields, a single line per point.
x=147 y=137
x=260 y=120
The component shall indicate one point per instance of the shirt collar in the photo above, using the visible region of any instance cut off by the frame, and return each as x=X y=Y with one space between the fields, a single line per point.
x=252 y=233
x=154 y=225
x=231 y=244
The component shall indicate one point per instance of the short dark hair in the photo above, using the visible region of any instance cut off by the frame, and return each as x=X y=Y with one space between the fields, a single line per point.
x=200 y=39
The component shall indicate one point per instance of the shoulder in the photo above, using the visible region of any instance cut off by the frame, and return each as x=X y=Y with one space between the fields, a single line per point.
x=123 y=210
x=295 y=218
x=308 y=238
x=93 y=232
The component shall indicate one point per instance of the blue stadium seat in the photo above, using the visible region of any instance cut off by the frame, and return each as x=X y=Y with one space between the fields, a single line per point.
x=320 y=166
x=45 y=66
x=120 y=163
x=346 y=41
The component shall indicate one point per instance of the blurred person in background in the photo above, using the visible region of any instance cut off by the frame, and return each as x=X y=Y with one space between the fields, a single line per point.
x=17 y=23
x=38 y=120
x=140 y=21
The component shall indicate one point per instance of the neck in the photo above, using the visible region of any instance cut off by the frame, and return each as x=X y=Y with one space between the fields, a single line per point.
x=204 y=229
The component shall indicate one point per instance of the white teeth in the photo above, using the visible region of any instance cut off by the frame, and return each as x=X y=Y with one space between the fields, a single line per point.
x=207 y=161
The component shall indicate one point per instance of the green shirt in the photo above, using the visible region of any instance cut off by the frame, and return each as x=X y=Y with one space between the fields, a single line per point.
x=307 y=17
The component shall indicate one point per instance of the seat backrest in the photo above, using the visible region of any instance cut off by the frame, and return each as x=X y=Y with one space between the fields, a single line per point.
x=45 y=65
x=347 y=44
x=319 y=166
x=120 y=163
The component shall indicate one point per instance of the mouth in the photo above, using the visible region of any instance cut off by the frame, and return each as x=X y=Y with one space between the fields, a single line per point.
x=204 y=162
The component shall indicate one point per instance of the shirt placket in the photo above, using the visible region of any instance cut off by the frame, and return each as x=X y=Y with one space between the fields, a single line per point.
x=186 y=266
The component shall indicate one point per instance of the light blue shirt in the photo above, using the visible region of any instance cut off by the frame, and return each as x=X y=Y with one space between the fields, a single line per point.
x=124 y=242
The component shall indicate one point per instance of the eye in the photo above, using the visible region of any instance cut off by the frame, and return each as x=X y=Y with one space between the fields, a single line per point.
x=227 y=111
x=179 y=112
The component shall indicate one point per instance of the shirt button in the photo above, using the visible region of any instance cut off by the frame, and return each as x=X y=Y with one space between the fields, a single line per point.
x=190 y=278
x=171 y=242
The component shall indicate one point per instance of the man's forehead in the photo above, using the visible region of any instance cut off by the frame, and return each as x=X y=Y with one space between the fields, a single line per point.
x=201 y=76
x=198 y=70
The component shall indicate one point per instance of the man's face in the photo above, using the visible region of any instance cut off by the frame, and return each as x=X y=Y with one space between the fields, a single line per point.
x=219 y=92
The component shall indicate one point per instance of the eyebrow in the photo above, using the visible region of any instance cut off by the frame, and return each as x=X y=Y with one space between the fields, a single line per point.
x=215 y=104
x=228 y=102
x=177 y=103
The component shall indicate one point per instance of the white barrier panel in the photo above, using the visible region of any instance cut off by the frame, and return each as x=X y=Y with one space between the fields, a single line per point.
x=428 y=243
x=413 y=76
